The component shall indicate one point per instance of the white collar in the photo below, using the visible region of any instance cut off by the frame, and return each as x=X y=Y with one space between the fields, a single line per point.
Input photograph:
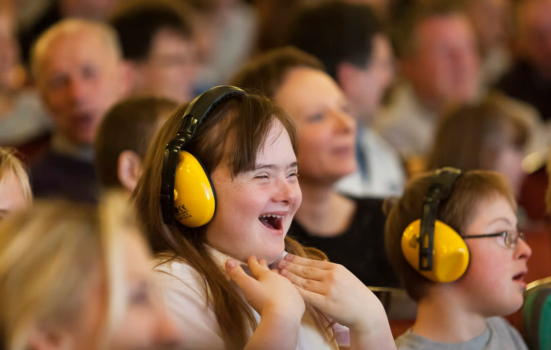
x=220 y=259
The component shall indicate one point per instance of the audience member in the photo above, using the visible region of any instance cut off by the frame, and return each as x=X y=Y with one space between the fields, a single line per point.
x=247 y=144
x=77 y=277
x=15 y=190
x=57 y=11
x=22 y=116
x=529 y=79
x=158 y=43
x=492 y=24
x=225 y=30
x=349 y=230
x=123 y=138
x=488 y=136
x=78 y=71
x=478 y=261
x=439 y=63
x=350 y=42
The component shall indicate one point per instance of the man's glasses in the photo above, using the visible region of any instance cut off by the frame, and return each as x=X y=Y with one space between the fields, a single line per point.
x=509 y=237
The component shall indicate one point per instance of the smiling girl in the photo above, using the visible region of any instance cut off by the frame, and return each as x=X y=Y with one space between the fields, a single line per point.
x=247 y=144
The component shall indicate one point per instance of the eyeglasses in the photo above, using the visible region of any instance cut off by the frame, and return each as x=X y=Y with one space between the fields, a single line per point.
x=509 y=237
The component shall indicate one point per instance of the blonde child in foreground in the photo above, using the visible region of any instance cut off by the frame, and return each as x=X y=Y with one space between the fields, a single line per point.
x=466 y=313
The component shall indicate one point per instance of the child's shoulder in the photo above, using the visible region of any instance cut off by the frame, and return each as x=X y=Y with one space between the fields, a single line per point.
x=174 y=272
x=501 y=329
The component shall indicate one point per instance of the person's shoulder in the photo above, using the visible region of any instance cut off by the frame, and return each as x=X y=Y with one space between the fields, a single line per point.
x=502 y=330
x=369 y=204
x=409 y=341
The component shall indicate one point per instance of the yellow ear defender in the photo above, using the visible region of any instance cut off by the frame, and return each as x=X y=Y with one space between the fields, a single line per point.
x=187 y=194
x=430 y=246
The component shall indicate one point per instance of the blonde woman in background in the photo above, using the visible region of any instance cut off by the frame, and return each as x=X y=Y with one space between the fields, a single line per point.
x=15 y=191
x=78 y=277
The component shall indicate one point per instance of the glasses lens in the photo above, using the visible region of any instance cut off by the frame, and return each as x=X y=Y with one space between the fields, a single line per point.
x=511 y=238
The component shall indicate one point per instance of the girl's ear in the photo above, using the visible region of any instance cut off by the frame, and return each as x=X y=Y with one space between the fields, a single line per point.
x=48 y=338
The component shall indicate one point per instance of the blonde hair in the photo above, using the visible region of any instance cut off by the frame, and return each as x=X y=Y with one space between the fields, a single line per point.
x=48 y=254
x=10 y=163
x=72 y=26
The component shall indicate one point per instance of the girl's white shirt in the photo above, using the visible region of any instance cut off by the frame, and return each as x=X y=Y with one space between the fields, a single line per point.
x=185 y=299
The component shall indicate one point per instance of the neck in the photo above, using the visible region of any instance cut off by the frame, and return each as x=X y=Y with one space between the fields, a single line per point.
x=442 y=317
x=323 y=211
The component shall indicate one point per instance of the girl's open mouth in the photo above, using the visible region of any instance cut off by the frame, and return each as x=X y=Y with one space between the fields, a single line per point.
x=271 y=221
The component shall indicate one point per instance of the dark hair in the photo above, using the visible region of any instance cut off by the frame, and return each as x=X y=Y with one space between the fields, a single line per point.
x=128 y=126
x=238 y=129
x=336 y=32
x=404 y=25
x=457 y=211
x=138 y=24
x=470 y=137
x=266 y=72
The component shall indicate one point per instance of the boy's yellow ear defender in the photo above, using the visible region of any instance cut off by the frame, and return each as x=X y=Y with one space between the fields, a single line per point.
x=187 y=193
x=430 y=246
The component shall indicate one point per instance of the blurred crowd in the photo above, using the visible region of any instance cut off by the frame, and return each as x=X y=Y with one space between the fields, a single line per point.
x=380 y=92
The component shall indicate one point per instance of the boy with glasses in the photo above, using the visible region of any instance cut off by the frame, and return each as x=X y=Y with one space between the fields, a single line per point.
x=466 y=312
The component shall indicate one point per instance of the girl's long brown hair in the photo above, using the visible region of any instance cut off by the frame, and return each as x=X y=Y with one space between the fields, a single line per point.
x=237 y=128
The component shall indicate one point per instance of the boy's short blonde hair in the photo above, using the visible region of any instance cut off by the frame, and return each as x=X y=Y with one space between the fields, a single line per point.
x=457 y=211
x=10 y=162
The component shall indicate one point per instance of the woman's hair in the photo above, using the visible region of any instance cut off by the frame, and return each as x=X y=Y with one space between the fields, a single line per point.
x=266 y=73
x=239 y=129
x=471 y=136
x=48 y=254
x=10 y=163
x=469 y=191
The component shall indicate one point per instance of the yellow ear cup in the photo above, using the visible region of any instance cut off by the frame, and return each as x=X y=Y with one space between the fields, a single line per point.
x=194 y=200
x=450 y=253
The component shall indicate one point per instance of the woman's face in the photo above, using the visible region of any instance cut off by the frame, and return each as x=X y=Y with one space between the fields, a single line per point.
x=326 y=130
x=144 y=324
x=11 y=194
x=254 y=209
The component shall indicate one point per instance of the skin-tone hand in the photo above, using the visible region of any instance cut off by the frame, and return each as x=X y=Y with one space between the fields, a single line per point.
x=335 y=291
x=277 y=301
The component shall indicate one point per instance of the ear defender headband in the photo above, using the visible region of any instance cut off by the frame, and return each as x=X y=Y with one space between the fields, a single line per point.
x=187 y=194
x=430 y=246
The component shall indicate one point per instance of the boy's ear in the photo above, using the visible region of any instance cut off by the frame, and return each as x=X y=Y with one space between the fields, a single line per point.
x=129 y=169
x=49 y=338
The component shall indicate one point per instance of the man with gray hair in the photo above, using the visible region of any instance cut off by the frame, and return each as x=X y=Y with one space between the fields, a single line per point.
x=78 y=71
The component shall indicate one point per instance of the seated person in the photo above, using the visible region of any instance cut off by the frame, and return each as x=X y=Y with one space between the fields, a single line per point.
x=439 y=63
x=356 y=52
x=349 y=230
x=487 y=136
x=22 y=116
x=15 y=190
x=76 y=277
x=159 y=46
x=123 y=138
x=78 y=71
x=477 y=271
x=204 y=229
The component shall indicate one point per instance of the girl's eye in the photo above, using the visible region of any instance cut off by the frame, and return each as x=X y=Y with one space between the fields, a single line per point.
x=315 y=118
x=293 y=175
x=262 y=176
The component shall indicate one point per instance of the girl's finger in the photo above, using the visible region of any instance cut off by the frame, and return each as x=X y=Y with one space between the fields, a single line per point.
x=308 y=272
x=236 y=273
x=304 y=283
x=311 y=298
x=324 y=265
x=256 y=267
